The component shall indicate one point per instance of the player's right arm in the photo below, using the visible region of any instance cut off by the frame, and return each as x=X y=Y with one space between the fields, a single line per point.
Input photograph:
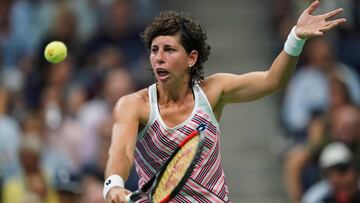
x=126 y=116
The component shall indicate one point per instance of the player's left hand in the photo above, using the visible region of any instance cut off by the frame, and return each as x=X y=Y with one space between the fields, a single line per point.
x=309 y=25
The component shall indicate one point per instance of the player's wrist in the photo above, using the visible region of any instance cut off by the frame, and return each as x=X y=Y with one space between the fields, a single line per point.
x=294 y=44
x=111 y=182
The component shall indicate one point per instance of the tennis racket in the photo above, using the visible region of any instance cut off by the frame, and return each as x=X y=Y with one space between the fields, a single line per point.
x=166 y=184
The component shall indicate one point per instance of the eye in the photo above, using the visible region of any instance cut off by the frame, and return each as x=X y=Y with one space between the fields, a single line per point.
x=154 y=50
x=168 y=49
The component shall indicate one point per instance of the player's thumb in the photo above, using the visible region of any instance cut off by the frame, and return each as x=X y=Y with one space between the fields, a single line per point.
x=127 y=194
x=127 y=197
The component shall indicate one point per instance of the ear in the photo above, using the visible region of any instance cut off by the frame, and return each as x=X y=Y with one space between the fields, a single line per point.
x=192 y=59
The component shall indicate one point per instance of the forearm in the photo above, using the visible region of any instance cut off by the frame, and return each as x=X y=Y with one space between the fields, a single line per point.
x=284 y=65
x=116 y=174
x=121 y=152
x=254 y=85
x=123 y=139
x=121 y=168
x=119 y=165
x=281 y=70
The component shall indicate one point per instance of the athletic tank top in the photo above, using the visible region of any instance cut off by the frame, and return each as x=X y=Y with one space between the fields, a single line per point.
x=156 y=142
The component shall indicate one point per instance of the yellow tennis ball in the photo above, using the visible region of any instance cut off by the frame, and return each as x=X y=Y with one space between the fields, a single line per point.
x=55 y=52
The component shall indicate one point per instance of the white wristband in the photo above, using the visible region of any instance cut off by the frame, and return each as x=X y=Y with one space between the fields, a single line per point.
x=293 y=45
x=110 y=182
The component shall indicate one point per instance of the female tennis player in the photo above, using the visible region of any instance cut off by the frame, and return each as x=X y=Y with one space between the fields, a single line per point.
x=150 y=124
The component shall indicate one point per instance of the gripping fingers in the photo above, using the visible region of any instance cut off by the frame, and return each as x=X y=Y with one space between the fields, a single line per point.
x=118 y=195
x=117 y=199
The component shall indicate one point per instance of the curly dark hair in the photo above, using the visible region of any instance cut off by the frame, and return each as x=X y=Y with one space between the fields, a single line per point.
x=192 y=37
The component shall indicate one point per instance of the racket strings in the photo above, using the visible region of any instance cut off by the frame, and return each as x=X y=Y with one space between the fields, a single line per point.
x=176 y=170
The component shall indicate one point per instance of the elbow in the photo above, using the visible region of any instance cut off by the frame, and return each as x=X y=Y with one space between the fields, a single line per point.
x=280 y=86
x=276 y=86
x=276 y=82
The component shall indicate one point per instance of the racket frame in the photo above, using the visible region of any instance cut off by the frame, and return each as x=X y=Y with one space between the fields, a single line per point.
x=154 y=181
x=189 y=170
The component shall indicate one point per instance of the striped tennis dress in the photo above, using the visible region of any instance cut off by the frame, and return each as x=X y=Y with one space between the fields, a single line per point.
x=156 y=142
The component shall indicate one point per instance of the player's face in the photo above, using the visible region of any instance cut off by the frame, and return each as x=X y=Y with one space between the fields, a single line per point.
x=169 y=59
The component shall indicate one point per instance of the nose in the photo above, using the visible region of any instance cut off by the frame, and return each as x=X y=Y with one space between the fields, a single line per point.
x=159 y=57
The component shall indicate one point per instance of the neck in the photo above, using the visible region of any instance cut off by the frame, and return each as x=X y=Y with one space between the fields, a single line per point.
x=173 y=93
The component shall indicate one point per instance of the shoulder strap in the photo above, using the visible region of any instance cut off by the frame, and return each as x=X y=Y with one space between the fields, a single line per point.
x=152 y=105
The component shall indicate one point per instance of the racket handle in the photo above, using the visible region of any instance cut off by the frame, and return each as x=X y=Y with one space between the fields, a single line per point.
x=134 y=196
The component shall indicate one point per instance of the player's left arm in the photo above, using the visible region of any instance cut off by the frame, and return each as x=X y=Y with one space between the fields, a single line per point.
x=254 y=85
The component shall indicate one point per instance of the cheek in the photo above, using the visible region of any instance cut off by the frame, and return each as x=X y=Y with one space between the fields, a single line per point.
x=152 y=62
x=181 y=61
x=152 y=59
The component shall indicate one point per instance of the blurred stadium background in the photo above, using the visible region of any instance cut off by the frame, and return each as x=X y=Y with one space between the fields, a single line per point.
x=56 y=119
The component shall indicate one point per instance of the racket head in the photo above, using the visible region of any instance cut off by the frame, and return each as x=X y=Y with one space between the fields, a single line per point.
x=178 y=168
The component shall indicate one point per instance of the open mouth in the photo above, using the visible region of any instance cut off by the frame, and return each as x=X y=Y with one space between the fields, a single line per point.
x=162 y=72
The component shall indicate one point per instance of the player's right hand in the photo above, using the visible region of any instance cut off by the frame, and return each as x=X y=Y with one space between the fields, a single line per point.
x=117 y=195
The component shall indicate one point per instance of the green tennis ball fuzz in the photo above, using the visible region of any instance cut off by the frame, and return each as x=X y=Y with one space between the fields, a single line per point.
x=55 y=52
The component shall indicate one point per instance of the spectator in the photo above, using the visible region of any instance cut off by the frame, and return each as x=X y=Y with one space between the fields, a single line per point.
x=106 y=58
x=33 y=126
x=30 y=20
x=341 y=177
x=64 y=29
x=92 y=189
x=117 y=83
x=12 y=47
x=9 y=137
x=119 y=33
x=94 y=171
x=89 y=14
x=67 y=139
x=32 y=186
x=68 y=186
x=301 y=164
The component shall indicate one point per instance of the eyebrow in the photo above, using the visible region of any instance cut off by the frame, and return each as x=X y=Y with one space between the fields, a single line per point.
x=165 y=46
x=169 y=46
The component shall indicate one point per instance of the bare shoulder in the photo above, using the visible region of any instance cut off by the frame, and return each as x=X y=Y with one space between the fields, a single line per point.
x=131 y=100
x=212 y=88
x=135 y=105
x=218 y=77
x=215 y=81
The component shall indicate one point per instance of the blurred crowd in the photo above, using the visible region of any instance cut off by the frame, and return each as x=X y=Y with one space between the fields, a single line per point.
x=320 y=108
x=55 y=119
